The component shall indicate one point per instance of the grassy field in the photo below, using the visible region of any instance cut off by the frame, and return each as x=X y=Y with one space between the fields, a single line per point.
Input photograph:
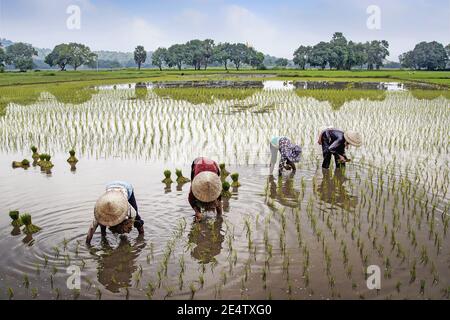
x=441 y=78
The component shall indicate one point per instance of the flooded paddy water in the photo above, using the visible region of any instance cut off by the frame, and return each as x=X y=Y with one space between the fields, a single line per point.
x=308 y=236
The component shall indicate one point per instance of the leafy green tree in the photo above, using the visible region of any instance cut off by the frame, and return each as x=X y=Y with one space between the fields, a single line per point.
x=193 y=53
x=338 y=51
x=239 y=54
x=222 y=53
x=282 y=62
x=377 y=51
x=208 y=52
x=176 y=55
x=430 y=55
x=140 y=55
x=407 y=60
x=60 y=56
x=2 y=58
x=158 y=57
x=20 y=55
x=320 y=55
x=301 y=56
x=255 y=58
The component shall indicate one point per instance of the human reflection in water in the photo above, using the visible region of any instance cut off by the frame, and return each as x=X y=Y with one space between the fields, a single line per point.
x=117 y=265
x=207 y=236
x=283 y=190
x=332 y=190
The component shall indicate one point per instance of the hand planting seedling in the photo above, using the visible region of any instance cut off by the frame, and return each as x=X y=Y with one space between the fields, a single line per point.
x=167 y=177
x=235 y=178
x=21 y=164
x=29 y=227
x=16 y=221
x=72 y=159
x=226 y=189
x=180 y=178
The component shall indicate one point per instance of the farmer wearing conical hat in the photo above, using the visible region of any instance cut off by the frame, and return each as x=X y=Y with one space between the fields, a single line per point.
x=206 y=186
x=334 y=142
x=290 y=154
x=113 y=210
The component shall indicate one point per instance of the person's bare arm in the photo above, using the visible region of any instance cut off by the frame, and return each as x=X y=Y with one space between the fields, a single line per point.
x=91 y=231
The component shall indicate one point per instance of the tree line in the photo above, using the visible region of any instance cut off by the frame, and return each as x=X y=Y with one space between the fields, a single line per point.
x=200 y=53
x=339 y=53
x=426 y=55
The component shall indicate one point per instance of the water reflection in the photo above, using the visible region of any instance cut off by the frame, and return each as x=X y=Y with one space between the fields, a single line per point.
x=283 y=191
x=333 y=191
x=117 y=265
x=208 y=238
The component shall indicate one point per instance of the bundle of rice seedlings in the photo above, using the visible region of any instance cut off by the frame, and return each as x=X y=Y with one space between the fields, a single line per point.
x=235 y=178
x=167 y=179
x=223 y=171
x=29 y=228
x=124 y=227
x=35 y=155
x=21 y=164
x=72 y=158
x=16 y=222
x=226 y=189
x=180 y=178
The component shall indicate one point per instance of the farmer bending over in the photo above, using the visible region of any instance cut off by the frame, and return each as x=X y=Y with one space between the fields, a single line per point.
x=334 y=142
x=113 y=210
x=290 y=154
x=206 y=187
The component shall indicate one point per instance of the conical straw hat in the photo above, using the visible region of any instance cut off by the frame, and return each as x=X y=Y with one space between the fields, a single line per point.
x=111 y=208
x=353 y=138
x=206 y=186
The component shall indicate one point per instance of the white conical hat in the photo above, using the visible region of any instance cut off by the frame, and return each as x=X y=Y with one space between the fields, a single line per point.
x=353 y=138
x=207 y=186
x=111 y=208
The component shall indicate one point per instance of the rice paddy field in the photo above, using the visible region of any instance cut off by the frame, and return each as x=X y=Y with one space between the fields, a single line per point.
x=311 y=235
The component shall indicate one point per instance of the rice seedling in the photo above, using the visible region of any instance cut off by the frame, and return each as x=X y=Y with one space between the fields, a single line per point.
x=34 y=293
x=26 y=281
x=29 y=227
x=72 y=159
x=226 y=189
x=98 y=294
x=57 y=293
x=180 y=178
x=16 y=222
x=193 y=290
x=422 y=287
x=235 y=179
x=167 y=177
x=223 y=171
x=25 y=163
x=10 y=293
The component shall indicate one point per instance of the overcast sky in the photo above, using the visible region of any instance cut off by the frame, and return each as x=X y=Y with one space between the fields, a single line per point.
x=274 y=27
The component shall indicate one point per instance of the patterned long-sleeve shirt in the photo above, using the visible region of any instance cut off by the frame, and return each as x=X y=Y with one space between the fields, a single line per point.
x=289 y=152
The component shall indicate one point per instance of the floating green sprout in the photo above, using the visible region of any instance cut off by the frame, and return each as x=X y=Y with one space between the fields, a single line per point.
x=29 y=227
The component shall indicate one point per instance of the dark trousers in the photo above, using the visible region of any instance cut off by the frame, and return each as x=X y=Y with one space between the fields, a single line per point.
x=327 y=155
